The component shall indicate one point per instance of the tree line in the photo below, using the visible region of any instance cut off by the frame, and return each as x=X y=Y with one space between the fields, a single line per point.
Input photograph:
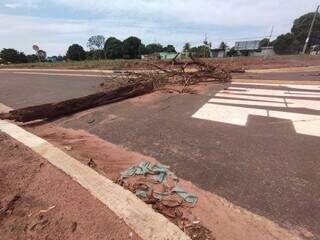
x=113 y=48
x=99 y=48
x=202 y=51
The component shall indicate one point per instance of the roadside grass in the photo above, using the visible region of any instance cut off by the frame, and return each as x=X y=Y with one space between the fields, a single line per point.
x=88 y=64
x=279 y=61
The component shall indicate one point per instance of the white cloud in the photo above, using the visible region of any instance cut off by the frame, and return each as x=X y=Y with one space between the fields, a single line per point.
x=206 y=14
x=213 y=12
x=22 y=32
x=12 y=5
x=22 y=4
x=165 y=21
x=54 y=35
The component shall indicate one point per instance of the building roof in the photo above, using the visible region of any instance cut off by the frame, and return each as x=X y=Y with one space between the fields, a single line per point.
x=247 y=45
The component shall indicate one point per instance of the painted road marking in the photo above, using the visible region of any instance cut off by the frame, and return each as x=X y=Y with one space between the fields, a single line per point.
x=68 y=70
x=54 y=70
x=230 y=98
x=248 y=101
x=4 y=108
x=292 y=86
x=270 y=92
x=286 y=70
x=62 y=74
x=136 y=214
x=273 y=81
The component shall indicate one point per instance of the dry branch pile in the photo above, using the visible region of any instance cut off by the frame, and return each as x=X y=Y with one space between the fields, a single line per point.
x=183 y=73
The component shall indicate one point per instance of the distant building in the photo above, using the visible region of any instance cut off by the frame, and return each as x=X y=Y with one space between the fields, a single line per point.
x=152 y=56
x=252 y=48
x=54 y=59
x=265 y=52
x=315 y=50
x=167 y=55
x=247 y=45
x=159 y=56
x=217 y=53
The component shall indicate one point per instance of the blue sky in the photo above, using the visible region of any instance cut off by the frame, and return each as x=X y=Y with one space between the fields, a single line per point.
x=55 y=24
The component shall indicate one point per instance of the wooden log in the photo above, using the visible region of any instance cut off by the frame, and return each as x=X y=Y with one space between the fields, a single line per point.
x=55 y=110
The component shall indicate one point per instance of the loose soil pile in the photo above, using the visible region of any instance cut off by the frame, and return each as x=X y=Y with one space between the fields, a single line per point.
x=37 y=201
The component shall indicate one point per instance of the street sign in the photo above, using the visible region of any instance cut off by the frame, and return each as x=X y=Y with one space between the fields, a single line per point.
x=42 y=54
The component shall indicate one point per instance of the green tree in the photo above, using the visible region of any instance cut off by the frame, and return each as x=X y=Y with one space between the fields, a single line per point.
x=223 y=45
x=131 y=48
x=60 y=58
x=169 y=48
x=295 y=47
x=42 y=55
x=186 y=47
x=113 y=48
x=95 y=54
x=202 y=51
x=32 y=58
x=264 y=42
x=96 y=45
x=283 y=44
x=96 y=42
x=142 y=49
x=154 y=48
x=13 y=56
x=76 y=53
x=301 y=28
x=22 y=58
x=232 y=52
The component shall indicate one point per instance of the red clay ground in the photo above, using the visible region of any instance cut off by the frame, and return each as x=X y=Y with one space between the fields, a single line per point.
x=37 y=201
x=246 y=62
x=269 y=62
x=221 y=217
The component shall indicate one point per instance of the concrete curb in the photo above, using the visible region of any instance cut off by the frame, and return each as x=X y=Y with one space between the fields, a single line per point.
x=148 y=224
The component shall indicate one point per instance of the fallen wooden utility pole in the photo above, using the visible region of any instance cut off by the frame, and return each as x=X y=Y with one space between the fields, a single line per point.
x=55 y=110
x=129 y=85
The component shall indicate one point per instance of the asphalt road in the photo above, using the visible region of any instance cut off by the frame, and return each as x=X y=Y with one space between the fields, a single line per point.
x=21 y=89
x=261 y=154
x=256 y=145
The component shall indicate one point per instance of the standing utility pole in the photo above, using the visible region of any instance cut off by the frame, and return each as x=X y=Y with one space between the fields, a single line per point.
x=205 y=44
x=310 y=31
x=270 y=36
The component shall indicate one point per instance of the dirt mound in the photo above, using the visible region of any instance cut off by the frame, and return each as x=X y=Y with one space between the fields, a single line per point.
x=37 y=201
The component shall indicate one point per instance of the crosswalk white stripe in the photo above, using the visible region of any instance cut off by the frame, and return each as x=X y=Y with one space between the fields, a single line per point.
x=217 y=110
x=269 y=92
x=266 y=101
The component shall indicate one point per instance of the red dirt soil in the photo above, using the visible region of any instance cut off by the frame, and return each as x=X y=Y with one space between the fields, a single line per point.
x=225 y=220
x=269 y=62
x=235 y=62
x=37 y=201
